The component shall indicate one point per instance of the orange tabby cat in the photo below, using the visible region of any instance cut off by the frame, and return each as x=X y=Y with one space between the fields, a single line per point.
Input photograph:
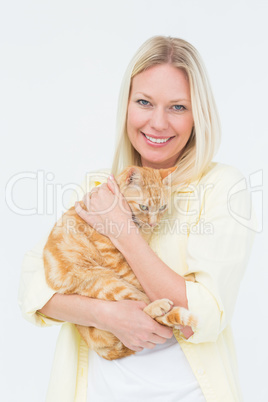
x=80 y=260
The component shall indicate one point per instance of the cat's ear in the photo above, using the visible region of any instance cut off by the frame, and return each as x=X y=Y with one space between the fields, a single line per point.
x=133 y=176
x=166 y=172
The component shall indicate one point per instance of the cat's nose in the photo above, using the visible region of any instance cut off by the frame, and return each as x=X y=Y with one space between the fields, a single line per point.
x=152 y=224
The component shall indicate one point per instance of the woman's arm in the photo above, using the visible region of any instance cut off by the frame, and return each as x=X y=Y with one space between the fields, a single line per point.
x=125 y=319
x=156 y=278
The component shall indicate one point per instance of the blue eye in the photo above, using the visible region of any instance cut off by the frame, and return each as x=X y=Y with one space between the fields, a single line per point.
x=143 y=102
x=179 y=107
x=144 y=207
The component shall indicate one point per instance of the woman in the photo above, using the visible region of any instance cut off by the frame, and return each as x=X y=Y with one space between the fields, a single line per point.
x=166 y=117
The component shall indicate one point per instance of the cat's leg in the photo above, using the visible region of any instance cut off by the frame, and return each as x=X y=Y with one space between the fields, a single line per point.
x=162 y=310
x=178 y=316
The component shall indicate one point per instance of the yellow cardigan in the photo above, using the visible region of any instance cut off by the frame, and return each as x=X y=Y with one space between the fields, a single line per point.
x=208 y=232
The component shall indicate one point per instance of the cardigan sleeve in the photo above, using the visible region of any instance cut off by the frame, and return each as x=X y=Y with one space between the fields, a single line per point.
x=218 y=257
x=34 y=291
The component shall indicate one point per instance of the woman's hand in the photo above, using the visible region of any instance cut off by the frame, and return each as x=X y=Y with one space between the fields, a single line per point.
x=107 y=210
x=125 y=319
x=135 y=329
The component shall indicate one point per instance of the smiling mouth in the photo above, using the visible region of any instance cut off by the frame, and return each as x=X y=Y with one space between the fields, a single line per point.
x=157 y=140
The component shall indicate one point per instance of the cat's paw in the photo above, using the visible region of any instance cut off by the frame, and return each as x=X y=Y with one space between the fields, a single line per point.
x=185 y=317
x=158 y=308
x=178 y=317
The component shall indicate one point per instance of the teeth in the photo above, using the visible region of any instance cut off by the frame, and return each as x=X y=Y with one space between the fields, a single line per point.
x=158 y=140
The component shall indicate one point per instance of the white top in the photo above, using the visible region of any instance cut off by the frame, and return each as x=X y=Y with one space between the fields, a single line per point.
x=162 y=374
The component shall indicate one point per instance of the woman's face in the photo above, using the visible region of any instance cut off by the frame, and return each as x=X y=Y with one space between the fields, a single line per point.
x=160 y=119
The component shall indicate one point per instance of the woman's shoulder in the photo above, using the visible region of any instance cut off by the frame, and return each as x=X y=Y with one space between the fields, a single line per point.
x=221 y=180
x=222 y=174
x=227 y=189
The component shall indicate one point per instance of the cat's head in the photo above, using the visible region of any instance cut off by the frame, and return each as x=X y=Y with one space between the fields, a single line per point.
x=147 y=191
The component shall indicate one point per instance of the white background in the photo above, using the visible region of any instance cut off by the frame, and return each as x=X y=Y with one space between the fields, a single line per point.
x=60 y=71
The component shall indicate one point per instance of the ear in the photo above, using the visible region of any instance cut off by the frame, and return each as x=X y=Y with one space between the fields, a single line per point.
x=166 y=172
x=133 y=175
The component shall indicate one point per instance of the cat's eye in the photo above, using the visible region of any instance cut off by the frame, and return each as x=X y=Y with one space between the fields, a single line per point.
x=143 y=207
x=163 y=207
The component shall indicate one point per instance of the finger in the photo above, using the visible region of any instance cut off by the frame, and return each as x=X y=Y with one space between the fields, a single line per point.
x=81 y=211
x=86 y=200
x=149 y=345
x=113 y=186
x=163 y=332
x=94 y=190
x=141 y=305
x=104 y=189
x=137 y=348
x=103 y=186
x=155 y=339
x=87 y=197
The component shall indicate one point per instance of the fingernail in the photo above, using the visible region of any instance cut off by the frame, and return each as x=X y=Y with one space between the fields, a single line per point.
x=111 y=177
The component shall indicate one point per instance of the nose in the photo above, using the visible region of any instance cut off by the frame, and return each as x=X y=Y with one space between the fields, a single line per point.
x=153 y=220
x=159 y=119
x=153 y=224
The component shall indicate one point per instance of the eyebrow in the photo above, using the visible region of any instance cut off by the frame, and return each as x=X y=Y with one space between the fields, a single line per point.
x=172 y=101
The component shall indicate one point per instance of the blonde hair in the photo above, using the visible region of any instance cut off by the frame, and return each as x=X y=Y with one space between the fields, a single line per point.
x=205 y=136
